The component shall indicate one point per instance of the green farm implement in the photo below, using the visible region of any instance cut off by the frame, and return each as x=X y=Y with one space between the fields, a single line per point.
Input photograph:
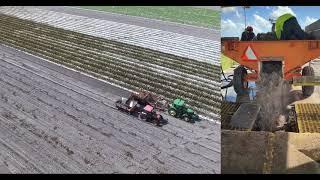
x=178 y=109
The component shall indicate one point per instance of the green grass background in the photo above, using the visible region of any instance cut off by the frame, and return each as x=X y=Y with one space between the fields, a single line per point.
x=226 y=62
x=182 y=14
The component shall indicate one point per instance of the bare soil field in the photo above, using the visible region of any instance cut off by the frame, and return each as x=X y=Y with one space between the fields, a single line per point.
x=56 y=120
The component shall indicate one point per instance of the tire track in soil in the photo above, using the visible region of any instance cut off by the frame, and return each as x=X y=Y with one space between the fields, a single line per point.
x=64 y=129
x=72 y=115
x=101 y=101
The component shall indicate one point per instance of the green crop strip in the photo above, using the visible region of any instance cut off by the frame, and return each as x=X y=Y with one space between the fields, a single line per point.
x=126 y=65
x=181 y=14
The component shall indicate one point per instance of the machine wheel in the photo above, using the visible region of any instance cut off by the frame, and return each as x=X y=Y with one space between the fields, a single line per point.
x=192 y=121
x=240 y=86
x=116 y=104
x=158 y=121
x=172 y=112
x=307 y=90
x=186 y=118
x=141 y=116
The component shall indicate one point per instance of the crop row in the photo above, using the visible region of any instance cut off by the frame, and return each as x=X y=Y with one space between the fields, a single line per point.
x=107 y=56
x=182 y=45
x=142 y=70
x=143 y=54
x=115 y=68
x=96 y=69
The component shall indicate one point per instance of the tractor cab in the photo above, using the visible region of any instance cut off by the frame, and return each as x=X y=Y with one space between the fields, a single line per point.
x=179 y=103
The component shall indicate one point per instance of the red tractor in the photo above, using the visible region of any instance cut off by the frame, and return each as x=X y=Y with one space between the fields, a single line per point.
x=144 y=105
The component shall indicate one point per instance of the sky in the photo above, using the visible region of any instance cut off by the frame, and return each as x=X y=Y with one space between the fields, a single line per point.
x=233 y=21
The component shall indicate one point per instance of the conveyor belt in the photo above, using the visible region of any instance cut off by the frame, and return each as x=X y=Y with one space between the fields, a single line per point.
x=306 y=81
x=245 y=117
x=308 y=117
x=227 y=110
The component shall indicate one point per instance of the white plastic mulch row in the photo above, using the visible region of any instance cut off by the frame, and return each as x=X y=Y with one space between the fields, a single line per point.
x=182 y=45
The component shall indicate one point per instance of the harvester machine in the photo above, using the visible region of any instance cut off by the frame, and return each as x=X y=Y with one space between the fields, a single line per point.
x=144 y=105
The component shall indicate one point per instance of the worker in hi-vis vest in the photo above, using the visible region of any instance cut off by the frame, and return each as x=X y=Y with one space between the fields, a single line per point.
x=288 y=28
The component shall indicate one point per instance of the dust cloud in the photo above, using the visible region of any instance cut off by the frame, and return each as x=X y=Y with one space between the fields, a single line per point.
x=273 y=97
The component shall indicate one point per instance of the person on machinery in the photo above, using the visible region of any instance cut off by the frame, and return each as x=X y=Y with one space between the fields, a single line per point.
x=248 y=34
x=288 y=28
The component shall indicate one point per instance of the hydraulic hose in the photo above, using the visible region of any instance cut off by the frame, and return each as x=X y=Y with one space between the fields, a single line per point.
x=226 y=79
x=228 y=85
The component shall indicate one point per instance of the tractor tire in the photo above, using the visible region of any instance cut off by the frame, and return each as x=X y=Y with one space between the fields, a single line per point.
x=192 y=121
x=186 y=119
x=240 y=86
x=307 y=90
x=172 y=112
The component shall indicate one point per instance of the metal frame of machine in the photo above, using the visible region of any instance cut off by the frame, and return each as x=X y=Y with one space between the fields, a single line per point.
x=292 y=54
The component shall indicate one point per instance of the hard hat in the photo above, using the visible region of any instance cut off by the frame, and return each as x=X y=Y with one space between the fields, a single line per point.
x=249 y=28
